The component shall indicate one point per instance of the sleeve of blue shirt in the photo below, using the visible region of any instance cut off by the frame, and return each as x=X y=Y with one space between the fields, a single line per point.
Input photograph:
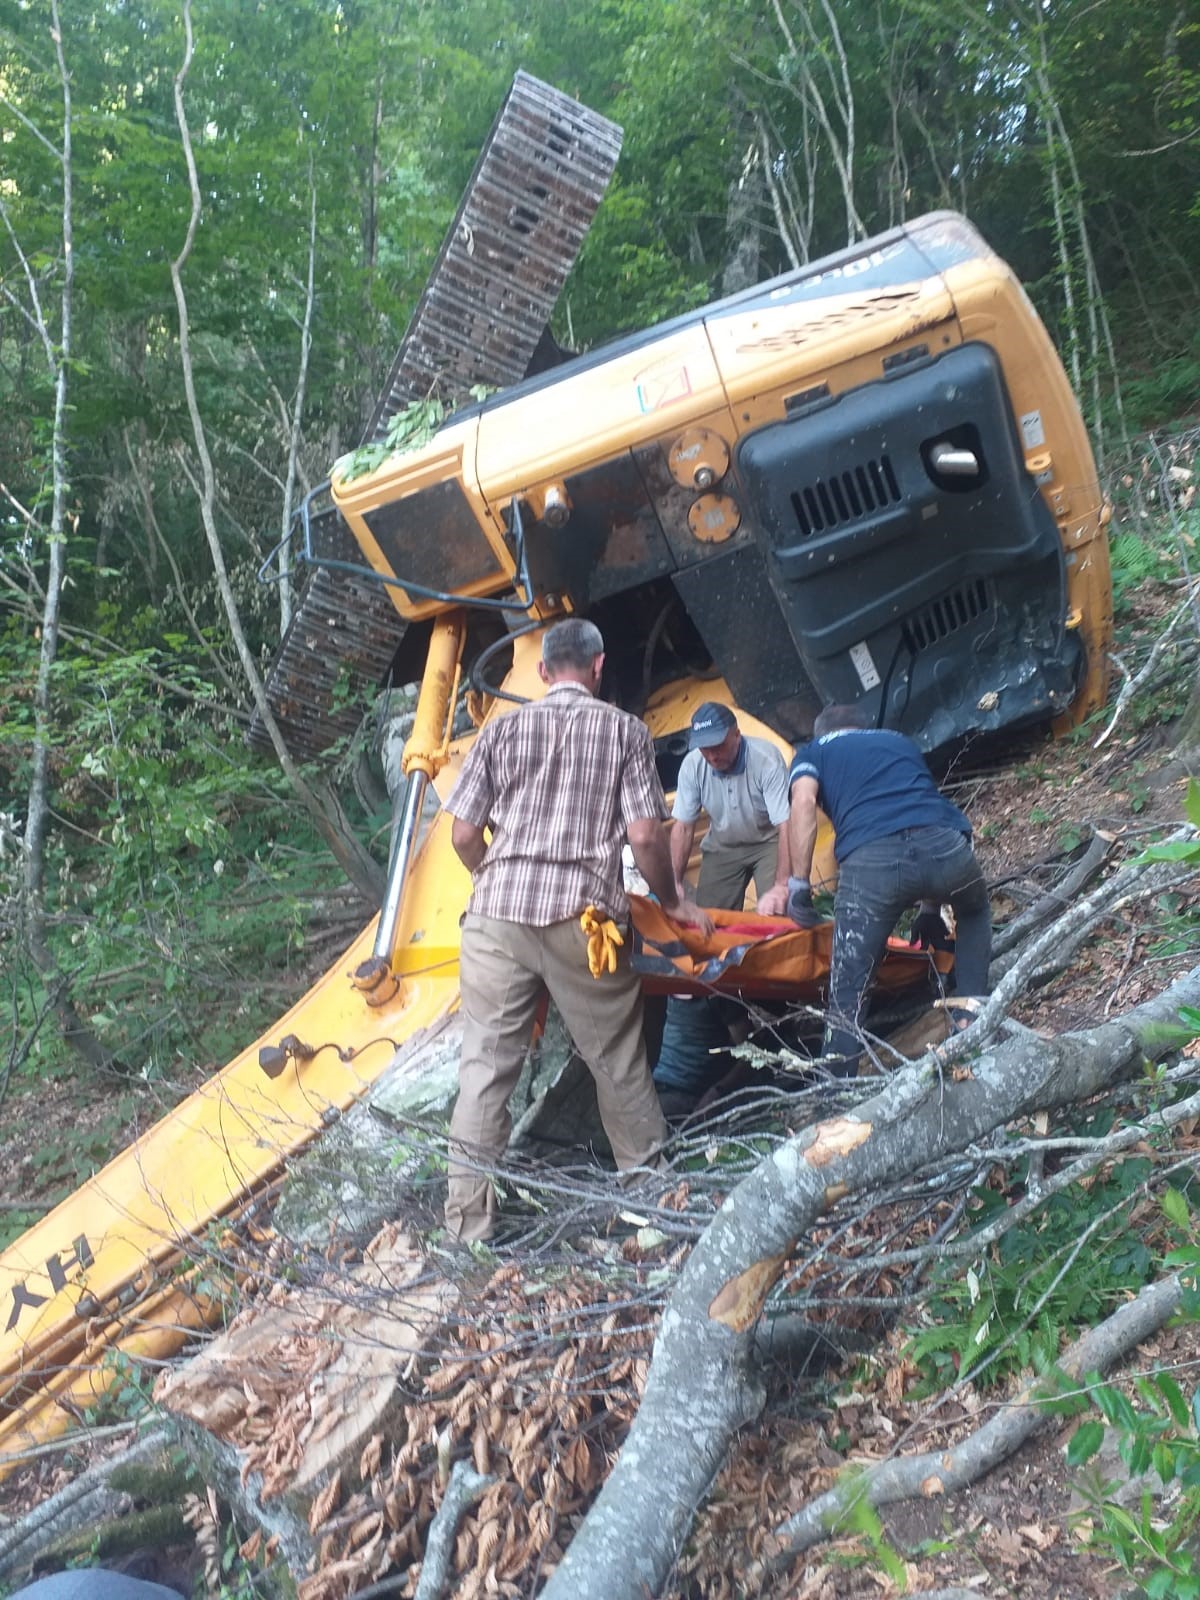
x=776 y=788
x=804 y=765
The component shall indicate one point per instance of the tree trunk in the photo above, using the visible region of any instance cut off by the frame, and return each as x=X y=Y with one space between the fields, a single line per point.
x=1187 y=733
x=703 y=1368
x=743 y=241
x=362 y=870
x=295 y=432
x=75 y=1030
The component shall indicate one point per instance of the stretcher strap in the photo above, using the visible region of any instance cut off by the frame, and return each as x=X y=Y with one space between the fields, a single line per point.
x=662 y=957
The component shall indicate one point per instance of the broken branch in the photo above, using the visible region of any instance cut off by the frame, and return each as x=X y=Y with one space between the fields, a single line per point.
x=938 y=1472
x=465 y=1487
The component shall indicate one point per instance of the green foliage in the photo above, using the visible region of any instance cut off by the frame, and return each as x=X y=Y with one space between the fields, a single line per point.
x=1166 y=391
x=1177 y=925
x=1070 y=837
x=1179 y=849
x=1139 y=795
x=1016 y=1304
x=856 y=1516
x=1157 y=1431
x=413 y=426
x=165 y=822
x=128 y=1394
x=239 y=1578
x=1134 y=559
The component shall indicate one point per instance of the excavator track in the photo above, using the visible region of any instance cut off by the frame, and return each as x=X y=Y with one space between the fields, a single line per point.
x=501 y=267
x=338 y=648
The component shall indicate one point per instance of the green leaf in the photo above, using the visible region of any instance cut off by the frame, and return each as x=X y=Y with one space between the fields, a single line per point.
x=1115 y=1406
x=1162 y=1459
x=1173 y=850
x=891 y=1563
x=1173 y=1395
x=1135 y=1452
x=1191 y=804
x=1085 y=1441
x=1174 y=1203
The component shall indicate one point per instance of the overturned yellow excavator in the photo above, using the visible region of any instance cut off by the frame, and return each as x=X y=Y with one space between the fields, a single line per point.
x=867 y=480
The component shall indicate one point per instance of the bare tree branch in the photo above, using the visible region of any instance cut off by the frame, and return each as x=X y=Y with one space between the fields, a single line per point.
x=463 y=1490
x=939 y=1472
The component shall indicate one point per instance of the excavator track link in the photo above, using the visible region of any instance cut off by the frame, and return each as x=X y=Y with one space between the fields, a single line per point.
x=504 y=260
x=337 y=649
x=501 y=267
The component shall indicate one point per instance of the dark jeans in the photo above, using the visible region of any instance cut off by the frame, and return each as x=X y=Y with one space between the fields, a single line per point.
x=694 y=1053
x=876 y=884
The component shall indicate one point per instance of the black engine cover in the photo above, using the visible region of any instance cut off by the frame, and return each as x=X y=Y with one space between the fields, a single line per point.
x=936 y=601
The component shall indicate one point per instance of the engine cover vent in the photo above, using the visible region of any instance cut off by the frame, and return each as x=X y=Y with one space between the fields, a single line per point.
x=947 y=614
x=845 y=497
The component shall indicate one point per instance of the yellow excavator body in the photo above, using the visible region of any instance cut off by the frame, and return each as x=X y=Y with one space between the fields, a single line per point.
x=876 y=465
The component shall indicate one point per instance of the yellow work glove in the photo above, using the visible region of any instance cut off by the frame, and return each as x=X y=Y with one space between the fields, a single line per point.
x=604 y=939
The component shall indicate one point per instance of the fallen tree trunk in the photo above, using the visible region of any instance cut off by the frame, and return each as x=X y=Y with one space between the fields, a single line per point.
x=85 y=1502
x=703 y=1384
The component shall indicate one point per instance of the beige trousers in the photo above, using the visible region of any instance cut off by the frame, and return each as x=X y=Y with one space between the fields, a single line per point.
x=504 y=967
x=726 y=870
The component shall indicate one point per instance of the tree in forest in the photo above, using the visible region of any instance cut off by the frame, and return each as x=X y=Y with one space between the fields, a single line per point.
x=43 y=528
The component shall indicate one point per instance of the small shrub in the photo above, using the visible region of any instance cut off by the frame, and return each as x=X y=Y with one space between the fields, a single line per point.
x=1016 y=1303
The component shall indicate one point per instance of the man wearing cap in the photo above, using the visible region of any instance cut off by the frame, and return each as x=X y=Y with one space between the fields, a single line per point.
x=560 y=784
x=741 y=784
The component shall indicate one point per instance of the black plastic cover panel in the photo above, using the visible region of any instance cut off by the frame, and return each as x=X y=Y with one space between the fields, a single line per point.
x=938 y=600
x=731 y=602
x=432 y=538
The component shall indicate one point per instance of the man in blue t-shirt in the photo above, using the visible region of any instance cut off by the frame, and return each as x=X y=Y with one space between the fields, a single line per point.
x=897 y=841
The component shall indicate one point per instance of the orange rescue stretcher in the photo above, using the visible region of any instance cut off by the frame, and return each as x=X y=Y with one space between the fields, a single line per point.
x=759 y=957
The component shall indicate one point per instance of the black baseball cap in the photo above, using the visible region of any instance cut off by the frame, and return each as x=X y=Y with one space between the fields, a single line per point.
x=710 y=724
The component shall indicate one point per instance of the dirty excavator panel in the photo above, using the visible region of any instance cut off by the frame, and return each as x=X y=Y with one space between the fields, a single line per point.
x=917 y=567
x=864 y=481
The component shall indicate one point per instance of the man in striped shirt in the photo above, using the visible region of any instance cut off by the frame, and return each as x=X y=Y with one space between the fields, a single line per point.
x=562 y=783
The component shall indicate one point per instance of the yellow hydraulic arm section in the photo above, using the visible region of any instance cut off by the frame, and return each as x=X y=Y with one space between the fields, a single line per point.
x=100 y=1271
x=425 y=754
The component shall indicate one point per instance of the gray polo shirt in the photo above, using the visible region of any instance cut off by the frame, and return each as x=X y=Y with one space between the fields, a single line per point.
x=744 y=806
